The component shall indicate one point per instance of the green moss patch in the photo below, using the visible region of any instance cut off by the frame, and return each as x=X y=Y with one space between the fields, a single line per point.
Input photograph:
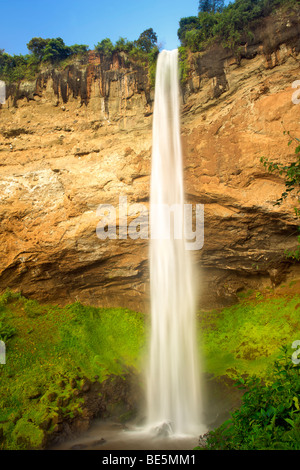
x=246 y=338
x=51 y=353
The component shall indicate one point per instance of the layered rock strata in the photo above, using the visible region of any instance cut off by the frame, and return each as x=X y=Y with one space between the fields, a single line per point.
x=80 y=137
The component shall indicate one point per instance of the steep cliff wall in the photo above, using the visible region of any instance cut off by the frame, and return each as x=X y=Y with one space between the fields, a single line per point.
x=79 y=137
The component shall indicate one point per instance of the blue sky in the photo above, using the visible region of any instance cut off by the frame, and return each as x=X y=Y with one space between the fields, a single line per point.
x=89 y=21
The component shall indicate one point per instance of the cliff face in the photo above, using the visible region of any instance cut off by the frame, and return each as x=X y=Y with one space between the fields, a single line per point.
x=80 y=137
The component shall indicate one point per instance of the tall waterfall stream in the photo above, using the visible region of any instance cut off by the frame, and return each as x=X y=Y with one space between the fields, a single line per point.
x=173 y=379
x=174 y=393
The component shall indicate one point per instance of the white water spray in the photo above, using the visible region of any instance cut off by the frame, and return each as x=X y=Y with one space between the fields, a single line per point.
x=173 y=385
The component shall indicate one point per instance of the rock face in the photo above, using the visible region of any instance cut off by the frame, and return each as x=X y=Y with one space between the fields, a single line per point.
x=78 y=138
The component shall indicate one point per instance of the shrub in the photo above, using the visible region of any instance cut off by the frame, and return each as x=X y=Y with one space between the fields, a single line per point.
x=269 y=417
x=105 y=46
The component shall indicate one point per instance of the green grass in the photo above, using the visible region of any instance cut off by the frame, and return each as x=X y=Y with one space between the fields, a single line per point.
x=246 y=338
x=48 y=348
x=251 y=343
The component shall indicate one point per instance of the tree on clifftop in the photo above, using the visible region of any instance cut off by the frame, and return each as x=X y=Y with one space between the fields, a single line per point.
x=56 y=50
x=147 y=40
x=37 y=46
x=105 y=46
x=211 y=6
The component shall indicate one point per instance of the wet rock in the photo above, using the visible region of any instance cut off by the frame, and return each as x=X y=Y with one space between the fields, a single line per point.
x=203 y=440
x=163 y=430
x=85 y=386
x=78 y=447
x=97 y=443
x=97 y=403
x=52 y=396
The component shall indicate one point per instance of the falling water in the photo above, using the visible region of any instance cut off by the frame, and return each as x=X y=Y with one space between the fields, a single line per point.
x=173 y=388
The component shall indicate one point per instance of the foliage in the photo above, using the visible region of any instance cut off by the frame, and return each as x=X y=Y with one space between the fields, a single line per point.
x=251 y=343
x=269 y=417
x=109 y=340
x=228 y=25
x=123 y=45
x=211 y=5
x=79 y=49
x=105 y=47
x=183 y=63
x=147 y=40
x=187 y=24
x=18 y=67
x=152 y=57
x=144 y=45
x=6 y=331
x=291 y=173
x=55 y=50
x=37 y=46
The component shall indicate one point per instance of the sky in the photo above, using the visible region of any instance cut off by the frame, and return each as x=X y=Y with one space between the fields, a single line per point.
x=90 y=21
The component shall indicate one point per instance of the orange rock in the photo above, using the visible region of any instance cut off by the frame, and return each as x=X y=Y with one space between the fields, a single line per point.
x=233 y=113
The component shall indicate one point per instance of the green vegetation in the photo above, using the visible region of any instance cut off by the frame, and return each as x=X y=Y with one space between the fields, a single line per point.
x=226 y=25
x=212 y=6
x=251 y=342
x=183 y=64
x=145 y=44
x=18 y=67
x=269 y=417
x=55 y=51
x=246 y=338
x=50 y=353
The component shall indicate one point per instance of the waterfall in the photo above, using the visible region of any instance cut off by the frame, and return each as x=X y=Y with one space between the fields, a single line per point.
x=173 y=383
